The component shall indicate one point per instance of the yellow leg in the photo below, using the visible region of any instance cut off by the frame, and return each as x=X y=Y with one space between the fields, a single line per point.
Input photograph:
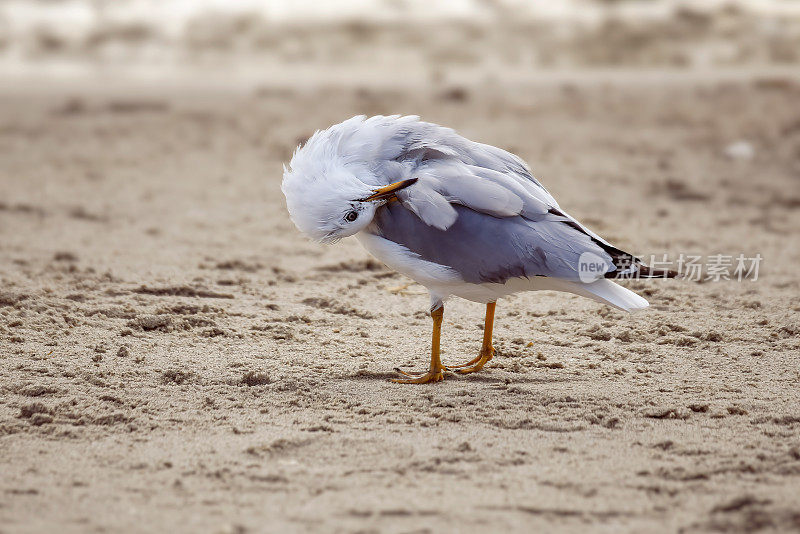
x=436 y=372
x=487 y=351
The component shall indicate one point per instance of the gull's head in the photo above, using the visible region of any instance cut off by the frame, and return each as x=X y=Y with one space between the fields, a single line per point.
x=331 y=195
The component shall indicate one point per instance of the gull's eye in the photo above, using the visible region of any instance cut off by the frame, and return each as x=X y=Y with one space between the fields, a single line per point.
x=351 y=216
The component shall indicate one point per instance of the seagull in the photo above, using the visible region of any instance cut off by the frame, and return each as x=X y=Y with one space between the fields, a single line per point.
x=460 y=218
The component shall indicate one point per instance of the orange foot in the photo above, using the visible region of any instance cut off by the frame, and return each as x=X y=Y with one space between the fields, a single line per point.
x=475 y=364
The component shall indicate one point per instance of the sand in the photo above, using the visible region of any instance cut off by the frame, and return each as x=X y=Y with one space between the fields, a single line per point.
x=175 y=356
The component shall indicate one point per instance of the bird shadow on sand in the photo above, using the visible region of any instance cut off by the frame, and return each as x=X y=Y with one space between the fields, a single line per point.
x=372 y=375
x=489 y=379
x=463 y=379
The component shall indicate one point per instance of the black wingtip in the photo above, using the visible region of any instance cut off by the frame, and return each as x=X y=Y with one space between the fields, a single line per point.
x=649 y=272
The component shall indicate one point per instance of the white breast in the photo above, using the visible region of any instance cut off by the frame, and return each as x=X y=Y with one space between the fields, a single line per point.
x=405 y=262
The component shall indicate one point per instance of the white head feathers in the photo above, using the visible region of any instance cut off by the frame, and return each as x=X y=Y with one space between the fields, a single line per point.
x=323 y=184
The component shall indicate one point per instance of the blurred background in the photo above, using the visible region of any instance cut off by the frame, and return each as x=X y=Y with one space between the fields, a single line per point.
x=278 y=40
x=174 y=355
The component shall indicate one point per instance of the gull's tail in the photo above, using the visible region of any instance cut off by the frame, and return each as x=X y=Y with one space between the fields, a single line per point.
x=613 y=294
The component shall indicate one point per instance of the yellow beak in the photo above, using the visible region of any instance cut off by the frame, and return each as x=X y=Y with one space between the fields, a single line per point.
x=388 y=192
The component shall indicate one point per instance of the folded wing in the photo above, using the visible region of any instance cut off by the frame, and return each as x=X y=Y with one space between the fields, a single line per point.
x=483 y=248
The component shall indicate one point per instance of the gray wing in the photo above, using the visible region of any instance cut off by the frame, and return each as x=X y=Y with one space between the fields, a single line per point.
x=483 y=248
x=478 y=209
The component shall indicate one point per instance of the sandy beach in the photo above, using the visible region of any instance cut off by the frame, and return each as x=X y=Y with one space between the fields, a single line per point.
x=176 y=357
